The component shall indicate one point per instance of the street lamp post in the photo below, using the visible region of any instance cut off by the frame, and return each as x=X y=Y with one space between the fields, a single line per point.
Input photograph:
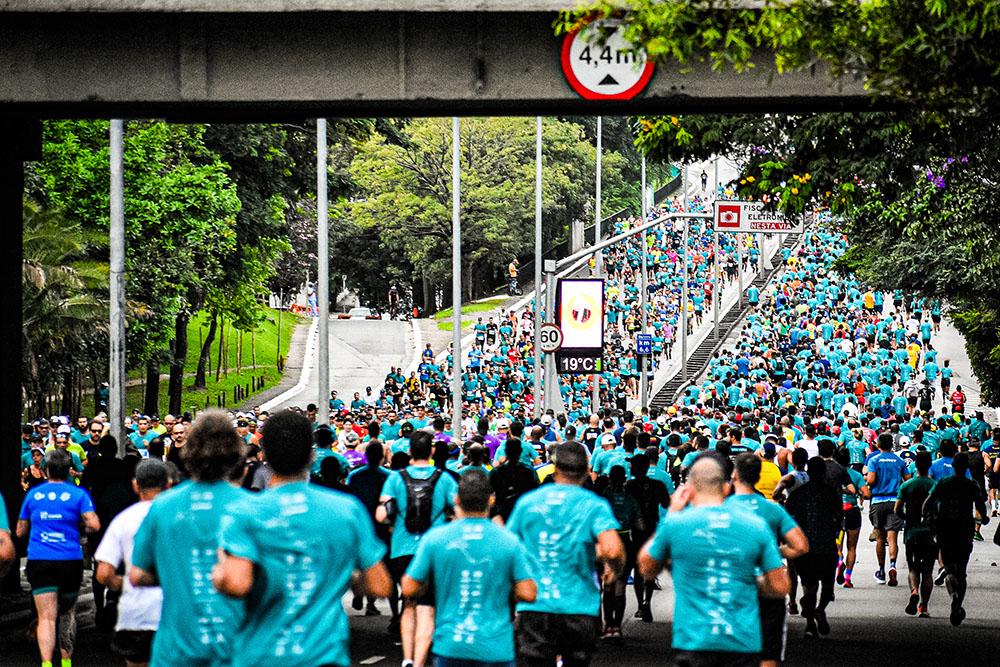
x=643 y=361
x=116 y=332
x=597 y=239
x=537 y=323
x=456 y=284
x=322 y=272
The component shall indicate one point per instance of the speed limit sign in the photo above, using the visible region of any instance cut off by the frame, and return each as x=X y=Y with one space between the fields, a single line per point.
x=552 y=337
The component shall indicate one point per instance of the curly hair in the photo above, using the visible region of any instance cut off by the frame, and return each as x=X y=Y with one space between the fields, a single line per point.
x=213 y=447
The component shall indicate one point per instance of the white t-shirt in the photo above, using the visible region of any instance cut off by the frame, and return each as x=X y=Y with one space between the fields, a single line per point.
x=811 y=447
x=138 y=608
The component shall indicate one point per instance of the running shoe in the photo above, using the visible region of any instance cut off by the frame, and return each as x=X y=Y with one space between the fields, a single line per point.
x=879 y=576
x=647 y=613
x=977 y=536
x=793 y=609
x=923 y=612
x=358 y=603
x=372 y=610
x=911 y=607
x=840 y=573
x=939 y=579
x=812 y=632
x=892 y=577
x=638 y=612
x=994 y=512
x=822 y=624
x=957 y=612
x=848 y=583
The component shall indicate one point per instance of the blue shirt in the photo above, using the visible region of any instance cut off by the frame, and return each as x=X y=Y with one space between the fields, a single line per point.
x=55 y=510
x=558 y=525
x=404 y=543
x=717 y=553
x=889 y=470
x=305 y=541
x=473 y=565
x=178 y=542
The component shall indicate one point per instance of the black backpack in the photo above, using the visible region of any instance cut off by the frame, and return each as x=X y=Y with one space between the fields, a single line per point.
x=419 y=502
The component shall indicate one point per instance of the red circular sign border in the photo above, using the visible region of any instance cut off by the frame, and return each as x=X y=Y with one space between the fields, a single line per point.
x=589 y=94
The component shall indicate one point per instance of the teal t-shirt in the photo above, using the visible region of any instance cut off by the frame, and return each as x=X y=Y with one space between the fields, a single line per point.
x=717 y=553
x=777 y=518
x=473 y=565
x=558 y=525
x=404 y=543
x=320 y=453
x=178 y=542
x=305 y=541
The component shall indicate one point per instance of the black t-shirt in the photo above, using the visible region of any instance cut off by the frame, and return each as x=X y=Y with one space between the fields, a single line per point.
x=590 y=436
x=651 y=495
x=510 y=481
x=953 y=499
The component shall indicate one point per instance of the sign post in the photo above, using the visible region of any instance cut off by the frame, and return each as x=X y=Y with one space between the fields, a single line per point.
x=644 y=344
x=750 y=217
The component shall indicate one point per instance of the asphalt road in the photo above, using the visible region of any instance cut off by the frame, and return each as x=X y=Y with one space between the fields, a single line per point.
x=868 y=627
x=361 y=353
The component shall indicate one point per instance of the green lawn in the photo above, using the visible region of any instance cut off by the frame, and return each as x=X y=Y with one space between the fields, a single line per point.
x=264 y=342
x=443 y=317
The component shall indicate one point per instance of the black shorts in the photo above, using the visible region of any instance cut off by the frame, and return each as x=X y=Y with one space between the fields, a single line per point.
x=773 y=631
x=911 y=401
x=714 y=659
x=542 y=637
x=398 y=567
x=852 y=518
x=994 y=478
x=936 y=319
x=882 y=516
x=817 y=568
x=133 y=645
x=921 y=555
x=55 y=576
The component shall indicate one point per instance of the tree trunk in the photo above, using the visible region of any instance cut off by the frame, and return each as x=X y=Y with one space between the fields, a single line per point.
x=239 y=352
x=175 y=387
x=151 y=400
x=218 y=361
x=67 y=393
x=253 y=350
x=204 y=359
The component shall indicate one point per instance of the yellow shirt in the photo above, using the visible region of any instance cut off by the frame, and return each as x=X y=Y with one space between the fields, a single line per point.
x=770 y=475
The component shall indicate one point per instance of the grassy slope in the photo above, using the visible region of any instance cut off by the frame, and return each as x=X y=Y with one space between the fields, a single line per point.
x=265 y=342
x=443 y=317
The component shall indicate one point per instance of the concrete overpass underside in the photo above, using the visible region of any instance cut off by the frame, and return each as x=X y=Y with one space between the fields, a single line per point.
x=422 y=58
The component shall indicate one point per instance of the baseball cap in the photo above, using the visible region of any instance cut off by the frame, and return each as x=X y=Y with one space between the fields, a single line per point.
x=503 y=423
x=547 y=419
x=64 y=429
x=608 y=439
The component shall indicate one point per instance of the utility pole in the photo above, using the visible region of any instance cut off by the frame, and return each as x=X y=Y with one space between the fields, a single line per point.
x=717 y=284
x=322 y=272
x=597 y=239
x=644 y=360
x=537 y=321
x=116 y=370
x=684 y=284
x=456 y=285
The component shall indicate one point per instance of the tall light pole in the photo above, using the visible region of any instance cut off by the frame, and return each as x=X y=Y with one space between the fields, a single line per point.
x=322 y=272
x=716 y=285
x=644 y=381
x=597 y=239
x=537 y=322
x=116 y=366
x=456 y=284
x=684 y=284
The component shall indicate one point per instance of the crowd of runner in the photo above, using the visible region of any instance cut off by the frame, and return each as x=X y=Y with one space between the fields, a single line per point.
x=217 y=540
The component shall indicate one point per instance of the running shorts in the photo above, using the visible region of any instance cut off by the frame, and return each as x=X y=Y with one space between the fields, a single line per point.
x=882 y=516
x=398 y=567
x=852 y=518
x=994 y=480
x=936 y=319
x=715 y=659
x=133 y=645
x=921 y=556
x=543 y=637
x=773 y=629
x=55 y=576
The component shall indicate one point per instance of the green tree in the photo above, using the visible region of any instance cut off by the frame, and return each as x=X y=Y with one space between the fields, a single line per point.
x=404 y=191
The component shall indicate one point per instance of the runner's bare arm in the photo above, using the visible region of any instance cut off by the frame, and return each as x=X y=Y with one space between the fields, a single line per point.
x=140 y=577
x=525 y=591
x=611 y=551
x=411 y=587
x=7 y=552
x=795 y=544
x=90 y=522
x=774 y=584
x=23 y=527
x=106 y=575
x=233 y=576
x=376 y=581
x=649 y=567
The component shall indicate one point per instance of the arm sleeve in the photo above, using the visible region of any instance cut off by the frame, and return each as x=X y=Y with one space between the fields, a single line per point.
x=25 y=514
x=144 y=547
x=391 y=486
x=370 y=549
x=110 y=548
x=236 y=535
x=602 y=518
x=420 y=566
x=787 y=522
x=522 y=564
x=86 y=504
x=659 y=549
x=770 y=556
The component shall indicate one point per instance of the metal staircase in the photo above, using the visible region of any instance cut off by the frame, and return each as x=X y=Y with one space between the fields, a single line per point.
x=699 y=357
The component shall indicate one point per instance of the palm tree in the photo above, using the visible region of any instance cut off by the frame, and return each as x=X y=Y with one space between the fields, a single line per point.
x=65 y=304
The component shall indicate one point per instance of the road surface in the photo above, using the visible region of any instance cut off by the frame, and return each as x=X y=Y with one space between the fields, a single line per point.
x=361 y=353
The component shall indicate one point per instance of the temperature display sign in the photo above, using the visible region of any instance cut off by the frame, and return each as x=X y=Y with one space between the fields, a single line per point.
x=580 y=316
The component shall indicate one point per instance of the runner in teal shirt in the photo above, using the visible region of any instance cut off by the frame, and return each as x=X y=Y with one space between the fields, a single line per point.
x=305 y=541
x=475 y=566
x=177 y=546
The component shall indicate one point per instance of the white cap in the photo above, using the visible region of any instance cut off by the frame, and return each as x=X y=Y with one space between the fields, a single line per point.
x=608 y=439
x=64 y=429
x=503 y=423
x=546 y=419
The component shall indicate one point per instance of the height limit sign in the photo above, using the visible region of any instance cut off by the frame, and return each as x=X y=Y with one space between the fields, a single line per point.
x=600 y=65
